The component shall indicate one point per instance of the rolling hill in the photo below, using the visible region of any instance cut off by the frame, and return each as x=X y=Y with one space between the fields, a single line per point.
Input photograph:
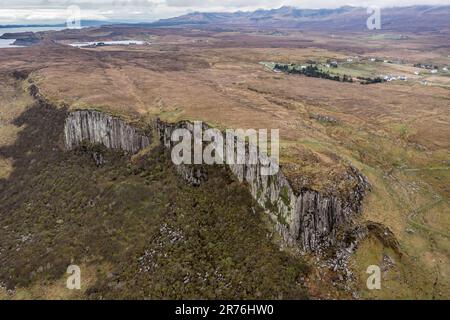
x=413 y=18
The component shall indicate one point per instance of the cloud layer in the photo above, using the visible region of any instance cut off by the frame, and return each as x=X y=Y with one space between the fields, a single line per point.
x=50 y=11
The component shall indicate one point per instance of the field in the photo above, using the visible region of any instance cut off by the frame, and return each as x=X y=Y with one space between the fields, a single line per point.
x=396 y=133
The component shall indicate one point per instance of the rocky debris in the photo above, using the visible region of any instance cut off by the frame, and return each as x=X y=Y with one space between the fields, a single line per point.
x=338 y=261
x=98 y=159
x=21 y=241
x=26 y=238
x=34 y=91
x=387 y=263
x=192 y=174
x=386 y=237
x=308 y=218
x=323 y=118
x=172 y=235
x=5 y=289
x=305 y=217
x=100 y=128
x=158 y=249
x=21 y=74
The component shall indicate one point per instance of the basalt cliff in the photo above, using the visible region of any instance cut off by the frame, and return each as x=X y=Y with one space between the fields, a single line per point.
x=306 y=217
x=100 y=128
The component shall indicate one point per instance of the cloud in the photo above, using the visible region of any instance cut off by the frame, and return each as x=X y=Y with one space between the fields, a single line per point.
x=40 y=15
x=225 y=3
x=18 y=11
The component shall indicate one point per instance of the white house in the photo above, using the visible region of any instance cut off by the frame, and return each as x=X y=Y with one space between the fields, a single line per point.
x=389 y=78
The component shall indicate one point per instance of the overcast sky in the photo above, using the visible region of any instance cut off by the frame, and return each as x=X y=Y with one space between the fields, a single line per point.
x=50 y=11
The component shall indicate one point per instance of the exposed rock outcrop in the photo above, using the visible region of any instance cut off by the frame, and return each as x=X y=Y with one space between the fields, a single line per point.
x=100 y=128
x=384 y=235
x=192 y=174
x=304 y=217
x=324 y=118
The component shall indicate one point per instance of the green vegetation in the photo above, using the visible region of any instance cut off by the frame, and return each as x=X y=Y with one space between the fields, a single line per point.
x=284 y=195
x=368 y=80
x=411 y=184
x=311 y=71
x=136 y=229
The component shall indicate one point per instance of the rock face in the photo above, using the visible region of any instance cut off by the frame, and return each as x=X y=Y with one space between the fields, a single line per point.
x=306 y=217
x=100 y=128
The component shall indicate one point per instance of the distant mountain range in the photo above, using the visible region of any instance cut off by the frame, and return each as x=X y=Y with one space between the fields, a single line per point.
x=413 y=18
x=401 y=19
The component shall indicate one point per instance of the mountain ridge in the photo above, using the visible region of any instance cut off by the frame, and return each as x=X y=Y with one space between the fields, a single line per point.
x=346 y=18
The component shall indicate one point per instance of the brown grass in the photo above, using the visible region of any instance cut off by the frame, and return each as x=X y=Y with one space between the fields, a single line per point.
x=382 y=129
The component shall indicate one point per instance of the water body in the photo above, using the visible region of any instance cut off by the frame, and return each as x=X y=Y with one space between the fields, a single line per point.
x=8 y=43
x=108 y=43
